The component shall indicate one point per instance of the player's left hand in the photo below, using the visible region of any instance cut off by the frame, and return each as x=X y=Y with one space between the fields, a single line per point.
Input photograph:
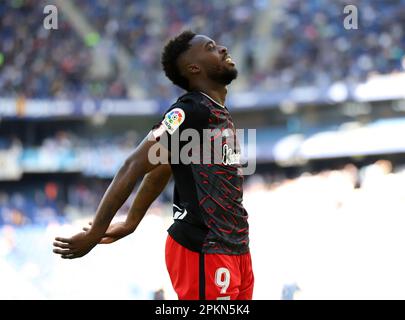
x=76 y=246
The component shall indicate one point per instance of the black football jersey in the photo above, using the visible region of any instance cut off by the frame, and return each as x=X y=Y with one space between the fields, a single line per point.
x=208 y=213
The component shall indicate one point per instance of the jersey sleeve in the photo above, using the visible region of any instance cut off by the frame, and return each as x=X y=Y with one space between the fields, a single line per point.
x=184 y=114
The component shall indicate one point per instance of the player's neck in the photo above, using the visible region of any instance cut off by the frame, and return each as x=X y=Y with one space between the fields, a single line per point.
x=218 y=94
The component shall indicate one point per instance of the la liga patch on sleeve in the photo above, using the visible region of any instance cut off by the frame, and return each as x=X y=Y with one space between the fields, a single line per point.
x=173 y=119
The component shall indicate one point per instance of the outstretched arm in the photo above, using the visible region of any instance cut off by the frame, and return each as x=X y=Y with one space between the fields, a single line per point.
x=152 y=186
x=135 y=167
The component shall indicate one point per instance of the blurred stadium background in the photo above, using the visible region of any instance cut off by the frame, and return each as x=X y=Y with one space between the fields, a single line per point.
x=327 y=203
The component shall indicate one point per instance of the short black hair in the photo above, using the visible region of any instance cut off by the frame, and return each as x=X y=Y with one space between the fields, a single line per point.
x=171 y=52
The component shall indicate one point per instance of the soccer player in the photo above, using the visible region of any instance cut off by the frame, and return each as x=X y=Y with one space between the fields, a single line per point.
x=207 y=249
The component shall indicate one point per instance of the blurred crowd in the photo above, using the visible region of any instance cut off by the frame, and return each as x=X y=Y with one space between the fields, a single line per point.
x=67 y=151
x=117 y=55
x=327 y=191
x=68 y=64
x=316 y=48
x=56 y=201
x=31 y=205
x=35 y=62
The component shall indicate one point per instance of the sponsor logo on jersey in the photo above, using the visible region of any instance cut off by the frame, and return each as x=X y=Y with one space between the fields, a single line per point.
x=173 y=119
x=229 y=157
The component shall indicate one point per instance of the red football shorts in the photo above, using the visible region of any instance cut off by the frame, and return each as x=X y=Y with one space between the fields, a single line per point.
x=203 y=276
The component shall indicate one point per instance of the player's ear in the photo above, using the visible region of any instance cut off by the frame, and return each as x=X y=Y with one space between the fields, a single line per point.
x=193 y=68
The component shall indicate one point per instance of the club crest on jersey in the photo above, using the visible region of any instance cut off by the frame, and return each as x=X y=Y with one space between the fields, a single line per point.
x=173 y=120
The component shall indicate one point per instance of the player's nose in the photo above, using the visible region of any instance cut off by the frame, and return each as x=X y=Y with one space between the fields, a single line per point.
x=223 y=49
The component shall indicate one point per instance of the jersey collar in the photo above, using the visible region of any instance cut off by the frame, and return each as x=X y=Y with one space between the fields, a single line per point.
x=212 y=99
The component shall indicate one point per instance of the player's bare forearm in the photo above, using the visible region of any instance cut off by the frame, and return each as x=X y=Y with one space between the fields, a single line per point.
x=136 y=166
x=152 y=186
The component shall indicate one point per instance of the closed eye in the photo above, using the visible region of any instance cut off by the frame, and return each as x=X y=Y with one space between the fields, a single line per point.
x=211 y=46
